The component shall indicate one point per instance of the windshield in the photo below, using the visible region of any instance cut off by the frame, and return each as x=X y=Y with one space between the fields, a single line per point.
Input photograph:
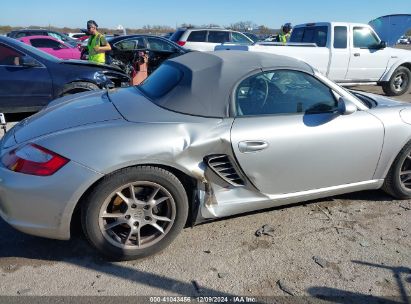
x=368 y=101
x=108 y=39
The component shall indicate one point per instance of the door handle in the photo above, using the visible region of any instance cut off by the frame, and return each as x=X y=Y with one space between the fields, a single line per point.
x=249 y=146
x=357 y=54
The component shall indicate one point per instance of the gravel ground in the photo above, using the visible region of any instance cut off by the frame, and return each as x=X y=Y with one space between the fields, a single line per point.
x=355 y=246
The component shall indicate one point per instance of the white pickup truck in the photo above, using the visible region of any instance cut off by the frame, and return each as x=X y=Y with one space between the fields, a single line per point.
x=348 y=53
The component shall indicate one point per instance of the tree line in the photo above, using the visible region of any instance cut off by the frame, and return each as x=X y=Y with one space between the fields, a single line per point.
x=242 y=26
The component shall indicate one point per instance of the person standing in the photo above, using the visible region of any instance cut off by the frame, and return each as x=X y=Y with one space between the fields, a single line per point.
x=97 y=44
x=285 y=34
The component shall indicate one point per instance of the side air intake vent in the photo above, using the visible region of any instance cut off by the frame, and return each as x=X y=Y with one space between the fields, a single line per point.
x=223 y=167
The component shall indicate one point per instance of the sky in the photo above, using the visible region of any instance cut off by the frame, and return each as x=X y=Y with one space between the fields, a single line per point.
x=136 y=14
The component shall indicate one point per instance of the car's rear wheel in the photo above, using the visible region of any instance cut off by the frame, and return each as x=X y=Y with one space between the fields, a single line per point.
x=135 y=212
x=78 y=87
x=399 y=82
x=398 y=180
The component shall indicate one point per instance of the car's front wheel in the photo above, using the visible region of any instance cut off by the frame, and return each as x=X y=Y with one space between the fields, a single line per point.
x=135 y=212
x=398 y=180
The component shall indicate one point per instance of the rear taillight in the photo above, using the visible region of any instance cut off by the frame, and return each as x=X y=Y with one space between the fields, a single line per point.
x=181 y=43
x=33 y=159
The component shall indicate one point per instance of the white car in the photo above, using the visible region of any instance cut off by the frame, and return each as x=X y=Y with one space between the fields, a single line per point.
x=76 y=35
x=206 y=39
x=404 y=40
x=348 y=53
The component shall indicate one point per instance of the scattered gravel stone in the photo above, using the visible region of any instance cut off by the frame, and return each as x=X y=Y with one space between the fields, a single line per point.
x=100 y=290
x=320 y=261
x=364 y=244
x=222 y=275
x=196 y=286
x=207 y=251
x=98 y=276
x=23 y=291
x=11 y=267
x=286 y=288
x=264 y=230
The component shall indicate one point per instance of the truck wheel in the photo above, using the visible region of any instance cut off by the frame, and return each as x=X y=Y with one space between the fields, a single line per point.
x=399 y=82
x=78 y=87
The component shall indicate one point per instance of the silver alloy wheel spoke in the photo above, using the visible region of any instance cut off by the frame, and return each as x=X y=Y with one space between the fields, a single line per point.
x=155 y=225
x=153 y=195
x=132 y=192
x=161 y=218
x=160 y=200
x=114 y=224
x=138 y=237
x=128 y=237
x=112 y=215
x=125 y=199
x=134 y=199
x=405 y=172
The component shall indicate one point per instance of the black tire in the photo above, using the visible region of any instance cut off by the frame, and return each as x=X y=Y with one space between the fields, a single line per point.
x=94 y=203
x=391 y=89
x=392 y=183
x=78 y=87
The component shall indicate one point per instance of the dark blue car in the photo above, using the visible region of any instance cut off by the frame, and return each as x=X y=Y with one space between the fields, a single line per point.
x=30 y=78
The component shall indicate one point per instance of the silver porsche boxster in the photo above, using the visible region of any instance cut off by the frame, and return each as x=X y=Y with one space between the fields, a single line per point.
x=207 y=135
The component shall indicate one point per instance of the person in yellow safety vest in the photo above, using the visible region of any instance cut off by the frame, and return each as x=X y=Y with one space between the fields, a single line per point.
x=97 y=44
x=285 y=34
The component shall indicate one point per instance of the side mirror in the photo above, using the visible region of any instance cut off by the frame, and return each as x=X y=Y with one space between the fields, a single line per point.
x=383 y=45
x=346 y=107
x=29 y=62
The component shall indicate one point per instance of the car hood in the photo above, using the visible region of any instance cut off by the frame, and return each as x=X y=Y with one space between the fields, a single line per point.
x=92 y=64
x=64 y=113
x=383 y=101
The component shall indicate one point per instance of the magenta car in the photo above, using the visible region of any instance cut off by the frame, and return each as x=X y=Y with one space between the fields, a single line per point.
x=52 y=46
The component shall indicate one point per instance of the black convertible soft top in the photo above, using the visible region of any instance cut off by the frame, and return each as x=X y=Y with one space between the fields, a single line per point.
x=210 y=77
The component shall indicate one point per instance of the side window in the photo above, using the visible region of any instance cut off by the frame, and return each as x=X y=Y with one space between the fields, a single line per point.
x=130 y=44
x=312 y=34
x=9 y=56
x=45 y=43
x=297 y=35
x=218 y=36
x=239 y=38
x=283 y=92
x=155 y=44
x=197 y=36
x=365 y=38
x=21 y=34
x=340 y=37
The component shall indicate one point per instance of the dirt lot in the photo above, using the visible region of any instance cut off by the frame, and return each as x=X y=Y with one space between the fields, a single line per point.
x=356 y=247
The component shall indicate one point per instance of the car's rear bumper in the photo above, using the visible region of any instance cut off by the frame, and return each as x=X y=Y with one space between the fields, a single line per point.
x=43 y=206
